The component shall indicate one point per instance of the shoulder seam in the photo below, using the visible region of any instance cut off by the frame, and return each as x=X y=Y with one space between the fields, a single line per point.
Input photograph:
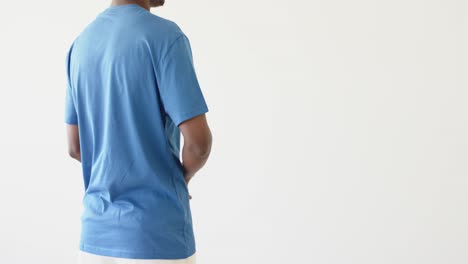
x=169 y=48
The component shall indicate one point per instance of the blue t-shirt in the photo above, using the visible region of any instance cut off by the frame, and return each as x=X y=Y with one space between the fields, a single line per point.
x=131 y=82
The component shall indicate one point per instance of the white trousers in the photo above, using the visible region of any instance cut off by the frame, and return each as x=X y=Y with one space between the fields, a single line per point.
x=88 y=258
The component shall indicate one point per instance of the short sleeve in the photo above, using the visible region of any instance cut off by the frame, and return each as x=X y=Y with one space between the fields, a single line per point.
x=178 y=85
x=70 y=110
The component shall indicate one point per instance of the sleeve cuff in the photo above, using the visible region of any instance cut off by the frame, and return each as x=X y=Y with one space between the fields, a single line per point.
x=188 y=115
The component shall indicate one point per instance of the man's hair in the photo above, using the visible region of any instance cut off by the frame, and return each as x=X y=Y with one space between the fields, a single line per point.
x=157 y=2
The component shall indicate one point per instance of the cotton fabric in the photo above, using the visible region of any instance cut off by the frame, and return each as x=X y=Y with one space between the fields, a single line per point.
x=130 y=83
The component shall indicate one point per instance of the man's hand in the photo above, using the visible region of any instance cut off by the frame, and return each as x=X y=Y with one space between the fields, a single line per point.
x=187 y=179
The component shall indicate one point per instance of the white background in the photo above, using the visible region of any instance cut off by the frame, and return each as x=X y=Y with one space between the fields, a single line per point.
x=340 y=130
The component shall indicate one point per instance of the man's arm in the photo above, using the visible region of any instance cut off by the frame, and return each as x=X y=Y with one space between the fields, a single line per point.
x=73 y=142
x=197 y=144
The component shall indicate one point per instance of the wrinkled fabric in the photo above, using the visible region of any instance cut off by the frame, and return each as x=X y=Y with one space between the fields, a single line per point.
x=130 y=83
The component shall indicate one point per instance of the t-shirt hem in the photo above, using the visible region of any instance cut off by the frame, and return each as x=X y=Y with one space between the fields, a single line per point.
x=133 y=254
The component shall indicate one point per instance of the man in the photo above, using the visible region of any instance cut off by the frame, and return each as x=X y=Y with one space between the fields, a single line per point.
x=131 y=91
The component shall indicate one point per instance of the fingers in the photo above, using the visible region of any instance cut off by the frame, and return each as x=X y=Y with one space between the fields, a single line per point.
x=187 y=179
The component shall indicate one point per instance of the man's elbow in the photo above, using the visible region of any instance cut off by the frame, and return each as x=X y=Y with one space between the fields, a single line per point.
x=201 y=150
x=74 y=154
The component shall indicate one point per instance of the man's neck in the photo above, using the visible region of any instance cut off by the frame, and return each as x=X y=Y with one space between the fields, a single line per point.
x=143 y=3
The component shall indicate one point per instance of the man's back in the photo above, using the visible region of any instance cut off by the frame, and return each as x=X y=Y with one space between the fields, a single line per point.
x=131 y=83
